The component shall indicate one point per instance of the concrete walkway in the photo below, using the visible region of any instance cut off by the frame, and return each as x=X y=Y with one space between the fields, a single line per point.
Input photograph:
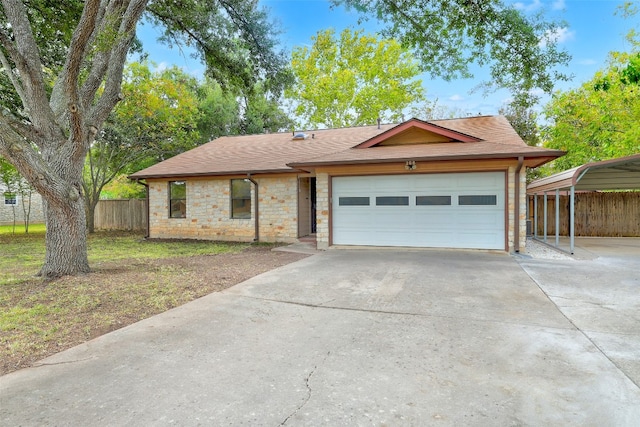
x=344 y=338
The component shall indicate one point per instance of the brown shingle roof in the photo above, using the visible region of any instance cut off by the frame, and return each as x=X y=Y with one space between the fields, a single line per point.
x=273 y=153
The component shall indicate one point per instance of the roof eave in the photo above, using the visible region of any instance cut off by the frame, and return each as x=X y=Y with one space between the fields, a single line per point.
x=544 y=156
x=136 y=177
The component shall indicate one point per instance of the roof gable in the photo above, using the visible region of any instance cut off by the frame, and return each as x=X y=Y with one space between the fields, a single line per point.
x=414 y=132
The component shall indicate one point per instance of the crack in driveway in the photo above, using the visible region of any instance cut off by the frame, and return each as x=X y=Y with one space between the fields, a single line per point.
x=307 y=384
x=66 y=362
x=404 y=313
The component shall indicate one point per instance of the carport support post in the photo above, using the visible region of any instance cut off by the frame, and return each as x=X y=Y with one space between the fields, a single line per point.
x=544 y=220
x=535 y=215
x=557 y=207
x=572 y=219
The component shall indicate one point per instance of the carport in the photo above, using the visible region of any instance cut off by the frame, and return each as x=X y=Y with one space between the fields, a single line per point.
x=616 y=174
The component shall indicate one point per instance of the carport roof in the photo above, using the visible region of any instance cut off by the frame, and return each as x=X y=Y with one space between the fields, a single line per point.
x=616 y=174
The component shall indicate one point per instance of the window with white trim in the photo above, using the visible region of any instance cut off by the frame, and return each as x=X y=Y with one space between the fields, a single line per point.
x=240 y=199
x=10 y=199
x=177 y=199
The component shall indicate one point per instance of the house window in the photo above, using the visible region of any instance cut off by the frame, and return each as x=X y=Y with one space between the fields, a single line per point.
x=240 y=199
x=177 y=199
x=10 y=199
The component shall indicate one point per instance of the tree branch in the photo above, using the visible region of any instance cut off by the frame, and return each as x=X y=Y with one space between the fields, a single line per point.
x=113 y=78
x=9 y=70
x=24 y=53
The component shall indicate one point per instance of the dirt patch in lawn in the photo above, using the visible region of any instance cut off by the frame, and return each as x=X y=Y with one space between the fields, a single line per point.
x=72 y=310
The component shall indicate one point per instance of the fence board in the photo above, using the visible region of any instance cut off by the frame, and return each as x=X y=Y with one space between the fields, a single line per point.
x=615 y=214
x=130 y=215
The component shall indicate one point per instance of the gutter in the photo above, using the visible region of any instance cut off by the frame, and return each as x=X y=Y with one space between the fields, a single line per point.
x=516 y=214
x=530 y=155
x=256 y=237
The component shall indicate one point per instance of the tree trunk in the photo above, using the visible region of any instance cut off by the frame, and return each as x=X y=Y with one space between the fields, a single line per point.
x=66 y=239
x=91 y=213
x=65 y=215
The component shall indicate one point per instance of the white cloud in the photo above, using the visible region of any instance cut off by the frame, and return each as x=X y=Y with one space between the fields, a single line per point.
x=534 y=5
x=456 y=98
x=587 y=61
x=162 y=66
x=558 y=5
x=560 y=35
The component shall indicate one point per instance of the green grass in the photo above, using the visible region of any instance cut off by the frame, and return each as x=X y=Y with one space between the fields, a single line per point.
x=19 y=229
x=132 y=278
x=21 y=255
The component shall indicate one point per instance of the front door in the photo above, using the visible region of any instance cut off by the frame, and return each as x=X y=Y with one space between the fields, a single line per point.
x=306 y=206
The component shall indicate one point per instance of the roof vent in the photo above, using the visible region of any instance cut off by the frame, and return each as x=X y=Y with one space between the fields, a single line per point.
x=299 y=136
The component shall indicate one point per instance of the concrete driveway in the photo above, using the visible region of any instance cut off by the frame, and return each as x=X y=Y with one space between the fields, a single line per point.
x=344 y=338
x=599 y=292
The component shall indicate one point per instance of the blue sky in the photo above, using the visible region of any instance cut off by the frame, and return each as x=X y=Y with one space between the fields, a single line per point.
x=592 y=31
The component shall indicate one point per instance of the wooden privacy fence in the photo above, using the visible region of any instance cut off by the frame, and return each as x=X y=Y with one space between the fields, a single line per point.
x=130 y=214
x=596 y=214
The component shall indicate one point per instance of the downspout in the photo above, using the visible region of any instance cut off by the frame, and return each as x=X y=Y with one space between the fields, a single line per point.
x=257 y=218
x=146 y=195
x=516 y=230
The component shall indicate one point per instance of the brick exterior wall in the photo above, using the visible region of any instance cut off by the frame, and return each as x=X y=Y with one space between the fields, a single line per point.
x=209 y=211
x=7 y=211
x=209 y=216
x=522 y=181
x=322 y=210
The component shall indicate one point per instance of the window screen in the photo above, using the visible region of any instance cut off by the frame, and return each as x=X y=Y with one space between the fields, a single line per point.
x=177 y=199
x=240 y=199
x=433 y=200
x=478 y=200
x=353 y=201
x=392 y=201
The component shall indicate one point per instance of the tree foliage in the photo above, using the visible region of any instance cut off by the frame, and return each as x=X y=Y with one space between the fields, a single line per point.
x=600 y=119
x=234 y=38
x=352 y=80
x=524 y=121
x=164 y=113
x=448 y=36
x=239 y=112
x=156 y=119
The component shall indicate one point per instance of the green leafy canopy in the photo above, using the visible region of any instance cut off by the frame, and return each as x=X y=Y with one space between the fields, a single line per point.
x=353 y=80
x=447 y=36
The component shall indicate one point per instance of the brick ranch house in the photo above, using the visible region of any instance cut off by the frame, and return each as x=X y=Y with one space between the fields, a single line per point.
x=456 y=183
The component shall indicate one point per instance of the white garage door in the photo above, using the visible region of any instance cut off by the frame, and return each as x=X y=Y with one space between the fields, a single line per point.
x=456 y=210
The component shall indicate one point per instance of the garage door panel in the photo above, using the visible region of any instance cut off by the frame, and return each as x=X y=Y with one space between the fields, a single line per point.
x=486 y=219
x=422 y=210
x=432 y=221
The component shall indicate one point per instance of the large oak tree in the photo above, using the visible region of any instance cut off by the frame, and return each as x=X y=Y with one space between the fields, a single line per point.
x=62 y=66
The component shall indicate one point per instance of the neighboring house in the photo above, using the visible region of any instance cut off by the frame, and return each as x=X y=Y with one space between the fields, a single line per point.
x=11 y=203
x=456 y=183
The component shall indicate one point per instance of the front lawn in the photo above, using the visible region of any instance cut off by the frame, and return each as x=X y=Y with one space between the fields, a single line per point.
x=131 y=279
